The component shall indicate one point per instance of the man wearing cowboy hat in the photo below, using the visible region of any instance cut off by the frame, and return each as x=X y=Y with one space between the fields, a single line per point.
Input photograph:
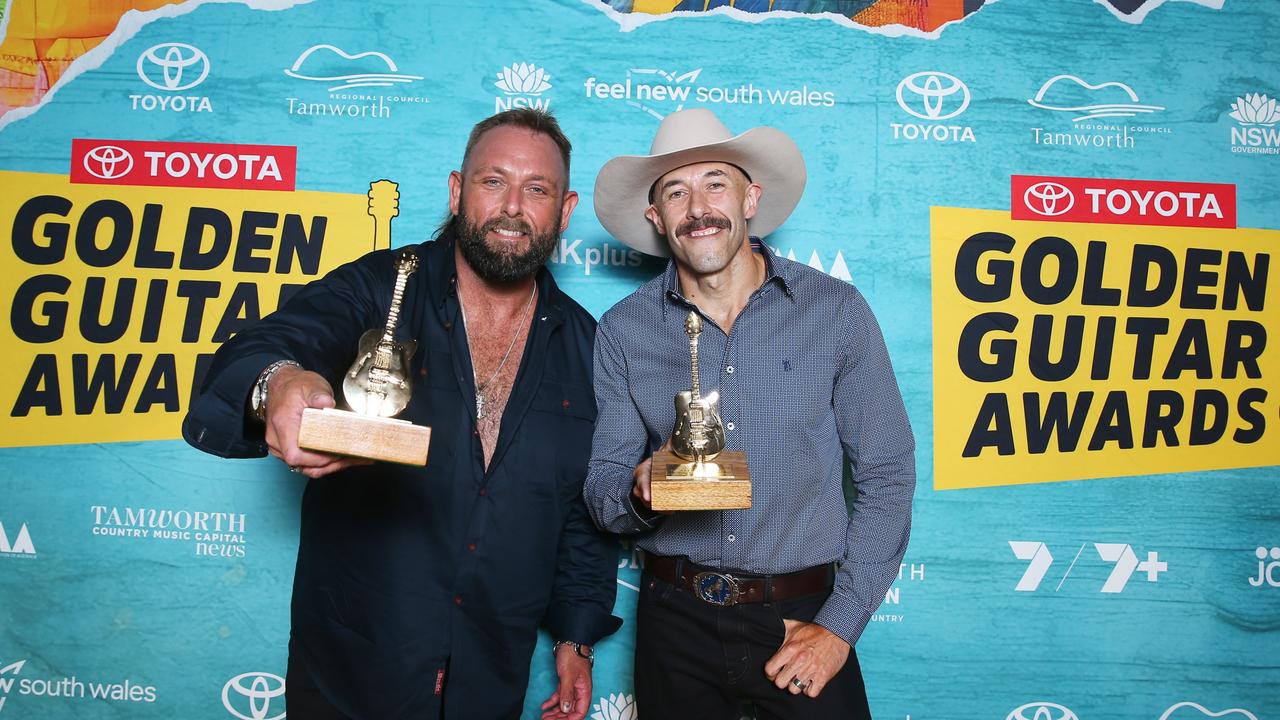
x=804 y=380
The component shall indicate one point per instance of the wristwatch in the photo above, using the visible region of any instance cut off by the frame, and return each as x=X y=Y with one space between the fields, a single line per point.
x=258 y=400
x=588 y=654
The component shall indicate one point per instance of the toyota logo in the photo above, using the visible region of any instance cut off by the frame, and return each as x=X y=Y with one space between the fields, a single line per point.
x=1042 y=711
x=173 y=66
x=254 y=691
x=931 y=93
x=108 y=162
x=1048 y=199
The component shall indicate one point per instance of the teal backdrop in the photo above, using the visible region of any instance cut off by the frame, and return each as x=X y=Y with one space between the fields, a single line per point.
x=141 y=578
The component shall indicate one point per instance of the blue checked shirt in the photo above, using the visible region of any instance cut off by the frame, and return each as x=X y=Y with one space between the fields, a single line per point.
x=804 y=377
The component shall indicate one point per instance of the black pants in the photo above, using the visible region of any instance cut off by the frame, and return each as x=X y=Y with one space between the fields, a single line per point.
x=696 y=660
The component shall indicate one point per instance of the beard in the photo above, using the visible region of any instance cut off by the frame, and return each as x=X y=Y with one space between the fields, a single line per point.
x=502 y=265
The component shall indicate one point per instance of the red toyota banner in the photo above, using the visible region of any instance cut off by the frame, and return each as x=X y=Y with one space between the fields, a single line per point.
x=1123 y=202
x=183 y=164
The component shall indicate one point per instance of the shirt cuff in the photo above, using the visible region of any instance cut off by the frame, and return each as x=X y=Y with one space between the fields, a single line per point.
x=843 y=616
x=648 y=519
x=579 y=624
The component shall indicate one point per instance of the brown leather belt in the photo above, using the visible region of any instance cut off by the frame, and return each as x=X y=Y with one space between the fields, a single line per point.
x=722 y=587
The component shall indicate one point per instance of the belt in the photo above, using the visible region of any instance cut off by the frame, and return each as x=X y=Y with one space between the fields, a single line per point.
x=720 y=587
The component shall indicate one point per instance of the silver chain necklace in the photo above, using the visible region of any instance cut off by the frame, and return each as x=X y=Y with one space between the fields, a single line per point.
x=482 y=387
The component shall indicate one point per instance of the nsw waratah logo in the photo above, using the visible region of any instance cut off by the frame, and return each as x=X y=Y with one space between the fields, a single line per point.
x=1255 y=109
x=523 y=79
x=522 y=85
x=615 y=707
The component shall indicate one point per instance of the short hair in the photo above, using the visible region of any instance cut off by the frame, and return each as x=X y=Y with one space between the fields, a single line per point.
x=532 y=119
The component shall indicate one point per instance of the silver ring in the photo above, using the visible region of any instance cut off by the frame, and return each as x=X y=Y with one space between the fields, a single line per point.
x=801 y=686
x=295 y=468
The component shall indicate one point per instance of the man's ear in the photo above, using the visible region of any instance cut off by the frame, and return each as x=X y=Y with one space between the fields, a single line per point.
x=751 y=201
x=455 y=192
x=566 y=209
x=655 y=217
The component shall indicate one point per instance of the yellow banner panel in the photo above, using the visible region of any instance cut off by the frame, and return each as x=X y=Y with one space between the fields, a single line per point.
x=1066 y=351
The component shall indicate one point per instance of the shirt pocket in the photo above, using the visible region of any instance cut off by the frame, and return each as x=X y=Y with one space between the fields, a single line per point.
x=560 y=423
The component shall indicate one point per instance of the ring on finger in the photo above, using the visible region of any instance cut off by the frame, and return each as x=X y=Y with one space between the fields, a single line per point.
x=797 y=684
x=295 y=468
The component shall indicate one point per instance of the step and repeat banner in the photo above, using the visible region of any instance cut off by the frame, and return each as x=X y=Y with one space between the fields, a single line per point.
x=1064 y=215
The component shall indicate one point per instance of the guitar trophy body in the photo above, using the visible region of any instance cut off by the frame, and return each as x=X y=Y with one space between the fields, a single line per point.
x=695 y=472
x=377 y=386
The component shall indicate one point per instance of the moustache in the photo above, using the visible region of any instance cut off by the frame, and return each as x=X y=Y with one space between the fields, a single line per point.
x=702 y=224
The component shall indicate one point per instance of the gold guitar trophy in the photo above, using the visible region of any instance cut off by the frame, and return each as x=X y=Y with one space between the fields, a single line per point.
x=376 y=388
x=697 y=473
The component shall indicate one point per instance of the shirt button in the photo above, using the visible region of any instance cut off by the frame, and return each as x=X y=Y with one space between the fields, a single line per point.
x=481 y=492
x=729 y=369
x=729 y=426
x=732 y=537
x=457 y=599
x=471 y=547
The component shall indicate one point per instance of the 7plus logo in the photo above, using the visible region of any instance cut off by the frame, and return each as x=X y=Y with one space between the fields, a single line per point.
x=1125 y=564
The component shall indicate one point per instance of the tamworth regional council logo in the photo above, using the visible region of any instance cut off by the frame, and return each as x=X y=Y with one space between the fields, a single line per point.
x=1098 y=112
x=355 y=83
x=173 y=68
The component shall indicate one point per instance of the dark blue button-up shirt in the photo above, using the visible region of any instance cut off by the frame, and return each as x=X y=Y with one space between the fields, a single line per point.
x=804 y=380
x=421 y=585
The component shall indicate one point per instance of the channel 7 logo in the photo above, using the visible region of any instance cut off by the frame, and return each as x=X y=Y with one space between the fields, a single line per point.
x=1123 y=558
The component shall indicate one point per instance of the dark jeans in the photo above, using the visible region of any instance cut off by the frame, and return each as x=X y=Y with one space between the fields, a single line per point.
x=696 y=660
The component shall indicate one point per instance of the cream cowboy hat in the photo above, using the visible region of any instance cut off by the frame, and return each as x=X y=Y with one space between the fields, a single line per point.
x=692 y=136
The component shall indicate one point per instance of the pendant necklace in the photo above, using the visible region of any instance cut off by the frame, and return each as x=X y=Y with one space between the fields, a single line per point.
x=482 y=387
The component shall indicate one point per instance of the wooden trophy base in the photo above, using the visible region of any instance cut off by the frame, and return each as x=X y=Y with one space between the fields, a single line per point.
x=678 y=484
x=342 y=432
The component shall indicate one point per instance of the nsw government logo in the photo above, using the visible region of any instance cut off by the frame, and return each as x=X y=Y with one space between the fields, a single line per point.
x=254 y=696
x=1255 y=133
x=173 y=68
x=21 y=547
x=522 y=86
x=933 y=96
x=364 y=85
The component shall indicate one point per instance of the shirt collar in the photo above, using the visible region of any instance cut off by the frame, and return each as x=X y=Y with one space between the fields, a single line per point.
x=778 y=273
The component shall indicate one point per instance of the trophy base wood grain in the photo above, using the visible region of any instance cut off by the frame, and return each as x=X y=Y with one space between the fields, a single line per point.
x=722 y=484
x=342 y=432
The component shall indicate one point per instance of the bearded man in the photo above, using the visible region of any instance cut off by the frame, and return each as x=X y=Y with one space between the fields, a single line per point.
x=419 y=591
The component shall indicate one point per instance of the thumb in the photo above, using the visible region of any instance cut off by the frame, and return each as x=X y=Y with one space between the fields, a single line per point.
x=566 y=692
x=320 y=399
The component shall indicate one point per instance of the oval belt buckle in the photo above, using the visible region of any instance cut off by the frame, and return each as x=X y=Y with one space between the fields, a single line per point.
x=716 y=588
